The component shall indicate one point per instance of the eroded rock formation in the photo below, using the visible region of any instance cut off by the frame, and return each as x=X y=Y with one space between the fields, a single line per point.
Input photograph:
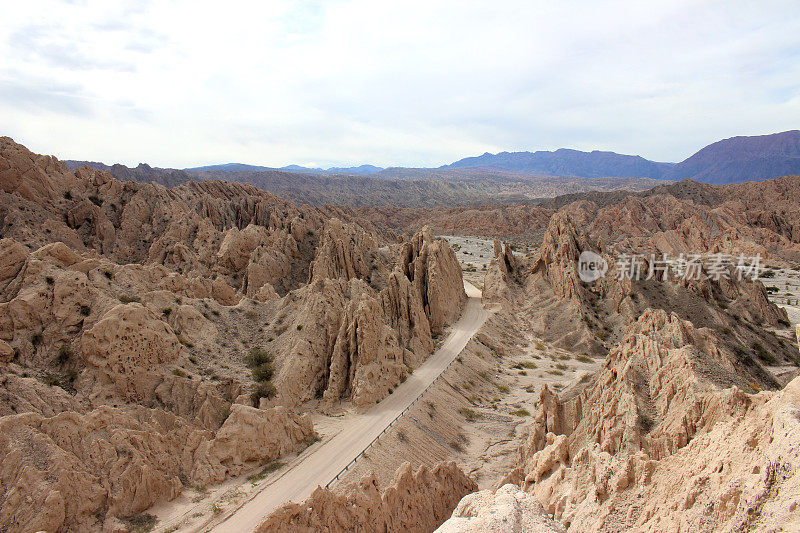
x=416 y=501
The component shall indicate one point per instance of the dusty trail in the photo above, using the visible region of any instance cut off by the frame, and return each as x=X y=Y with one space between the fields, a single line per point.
x=328 y=460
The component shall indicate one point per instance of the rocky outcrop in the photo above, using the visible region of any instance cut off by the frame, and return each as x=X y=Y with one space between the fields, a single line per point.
x=662 y=409
x=69 y=471
x=507 y=509
x=348 y=340
x=416 y=501
x=344 y=252
x=433 y=269
x=128 y=344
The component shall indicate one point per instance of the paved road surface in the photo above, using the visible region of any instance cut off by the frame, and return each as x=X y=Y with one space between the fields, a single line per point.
x=328 y=460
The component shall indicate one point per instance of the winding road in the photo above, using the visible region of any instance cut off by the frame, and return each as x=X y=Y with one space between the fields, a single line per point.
x=324 y=464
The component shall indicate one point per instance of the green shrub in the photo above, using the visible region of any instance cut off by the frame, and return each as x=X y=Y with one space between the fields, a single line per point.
x=257 y=357
x=263 y=390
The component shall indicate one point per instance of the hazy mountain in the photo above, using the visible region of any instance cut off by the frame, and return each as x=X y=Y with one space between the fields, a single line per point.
x=739 y=159
x=241 y=167
x=567 y=162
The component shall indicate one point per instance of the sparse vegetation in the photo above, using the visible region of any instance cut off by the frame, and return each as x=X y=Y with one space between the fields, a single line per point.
x=521 y=412
x=263 y=390
x=64 y=354
x=141 y=523
x=763 y=354
x=469 y=414
x=264 y=472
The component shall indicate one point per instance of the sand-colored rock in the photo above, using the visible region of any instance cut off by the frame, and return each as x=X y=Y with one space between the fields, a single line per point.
x=416 y=501
x=125 y=346
x=343 y=252
x=507 y=509
x=659 y=426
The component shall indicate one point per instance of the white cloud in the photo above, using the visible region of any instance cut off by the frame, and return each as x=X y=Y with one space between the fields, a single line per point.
x=413 y=83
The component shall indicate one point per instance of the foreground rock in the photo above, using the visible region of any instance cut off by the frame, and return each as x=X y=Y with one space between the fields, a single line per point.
x=416 y=501
x=661 y=441
x=507 y=509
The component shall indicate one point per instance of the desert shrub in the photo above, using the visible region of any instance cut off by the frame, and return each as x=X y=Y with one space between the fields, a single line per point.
x=67 y=195
x=96 y=200
x=142 y=523
x=763 y=354
x=128 y=299
x=521 y=412
x=85 y=310
x=64 y=353
x=36 y=339
x=257 y=357
x=469 y=414
x=262 y=390
x=268 y=469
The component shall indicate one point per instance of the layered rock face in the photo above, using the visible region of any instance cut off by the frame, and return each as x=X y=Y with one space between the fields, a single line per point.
x=660 y=440
x=358 y=339
x=415 y=501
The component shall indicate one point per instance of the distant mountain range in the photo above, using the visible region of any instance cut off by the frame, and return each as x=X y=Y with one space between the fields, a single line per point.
x=740 y=159
x=504 y=176
x=240 y=167
x=567 y=162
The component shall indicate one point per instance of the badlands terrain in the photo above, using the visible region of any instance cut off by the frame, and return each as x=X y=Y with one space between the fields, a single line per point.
x=212 y=357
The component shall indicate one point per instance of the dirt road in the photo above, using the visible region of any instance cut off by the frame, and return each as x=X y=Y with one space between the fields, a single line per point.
x=329 y=459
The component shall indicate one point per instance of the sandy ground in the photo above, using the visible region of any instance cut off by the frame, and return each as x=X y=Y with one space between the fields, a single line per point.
x=475 y=254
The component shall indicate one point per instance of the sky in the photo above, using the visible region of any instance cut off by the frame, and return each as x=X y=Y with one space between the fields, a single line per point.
x=411 y=83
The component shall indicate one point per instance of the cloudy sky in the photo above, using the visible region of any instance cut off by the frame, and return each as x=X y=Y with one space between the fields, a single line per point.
x=411 y=83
